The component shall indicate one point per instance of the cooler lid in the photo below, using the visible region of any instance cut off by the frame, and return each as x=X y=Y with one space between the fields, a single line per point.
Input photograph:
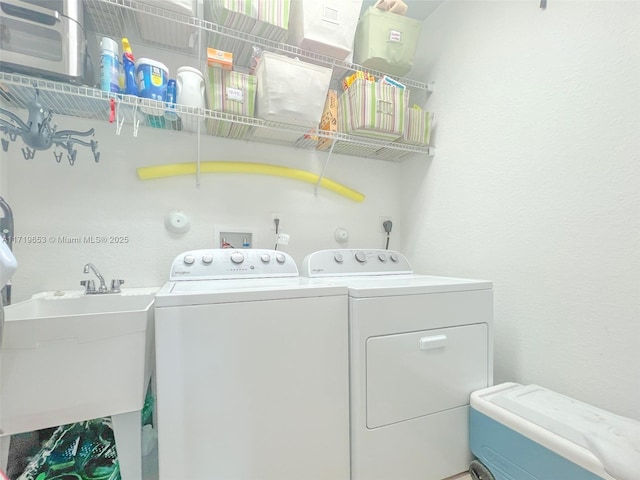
x=612 y=439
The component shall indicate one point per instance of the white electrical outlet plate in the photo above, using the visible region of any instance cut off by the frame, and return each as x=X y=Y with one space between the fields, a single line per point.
x=283 y=239
x=234 y=237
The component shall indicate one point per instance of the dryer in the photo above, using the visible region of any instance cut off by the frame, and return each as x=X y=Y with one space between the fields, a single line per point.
x=252 y=370
x=419 y=345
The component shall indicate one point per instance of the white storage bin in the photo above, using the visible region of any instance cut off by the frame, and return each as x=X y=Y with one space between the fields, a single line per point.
x=291 y=91
x=326 y=26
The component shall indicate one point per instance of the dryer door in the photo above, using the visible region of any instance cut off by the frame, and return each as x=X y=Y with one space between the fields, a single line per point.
x=419 y=373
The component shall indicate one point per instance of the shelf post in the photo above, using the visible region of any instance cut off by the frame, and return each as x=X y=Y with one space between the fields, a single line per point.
x=324 y=167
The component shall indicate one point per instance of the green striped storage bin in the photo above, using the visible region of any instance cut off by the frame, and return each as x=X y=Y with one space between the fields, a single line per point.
x=237 y=14
x=418 y=127
x=373 y=109
x=273 y=20
x=264 y=18
x=386 y=41
x=233 y=93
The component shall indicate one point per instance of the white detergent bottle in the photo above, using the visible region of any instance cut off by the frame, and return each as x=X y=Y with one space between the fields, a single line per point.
x=190 y=92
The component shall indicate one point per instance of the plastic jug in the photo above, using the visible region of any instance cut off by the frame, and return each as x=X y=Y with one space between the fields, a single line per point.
x=190 y=91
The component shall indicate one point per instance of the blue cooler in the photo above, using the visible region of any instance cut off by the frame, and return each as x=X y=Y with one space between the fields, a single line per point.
x=527 y=432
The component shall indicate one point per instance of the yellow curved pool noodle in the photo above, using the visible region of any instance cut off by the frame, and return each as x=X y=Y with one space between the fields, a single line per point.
x=162 y=171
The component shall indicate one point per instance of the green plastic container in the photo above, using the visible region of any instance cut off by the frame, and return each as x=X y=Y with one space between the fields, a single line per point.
x=386 y=41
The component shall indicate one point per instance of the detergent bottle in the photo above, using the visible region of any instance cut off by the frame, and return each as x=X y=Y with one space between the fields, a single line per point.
x=129 y=66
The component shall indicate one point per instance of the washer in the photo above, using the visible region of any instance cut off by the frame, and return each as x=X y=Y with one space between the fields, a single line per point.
x=419 y=345
x=252 y=370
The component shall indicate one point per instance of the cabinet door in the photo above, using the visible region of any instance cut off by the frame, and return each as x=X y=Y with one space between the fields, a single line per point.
x=419 y=373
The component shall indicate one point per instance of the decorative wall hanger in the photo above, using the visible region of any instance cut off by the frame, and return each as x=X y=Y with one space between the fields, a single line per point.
x=38 y=134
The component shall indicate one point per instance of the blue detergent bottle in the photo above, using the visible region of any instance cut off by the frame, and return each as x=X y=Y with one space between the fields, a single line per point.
x=129 y=65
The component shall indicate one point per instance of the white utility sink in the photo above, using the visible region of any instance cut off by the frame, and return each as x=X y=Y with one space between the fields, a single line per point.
x=68 y=357
x=57 y=304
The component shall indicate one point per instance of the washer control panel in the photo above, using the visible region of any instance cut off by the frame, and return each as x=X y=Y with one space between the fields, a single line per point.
x=227 y=263
x=347 y=262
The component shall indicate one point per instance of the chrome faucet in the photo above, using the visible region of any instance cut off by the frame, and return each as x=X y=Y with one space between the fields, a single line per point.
x=90 y=287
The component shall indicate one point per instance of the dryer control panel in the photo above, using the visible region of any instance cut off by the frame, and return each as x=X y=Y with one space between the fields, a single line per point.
x=227 y=263
x=353 y=262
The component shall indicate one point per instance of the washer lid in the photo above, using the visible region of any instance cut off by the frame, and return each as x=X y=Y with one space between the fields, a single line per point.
x=203 y=292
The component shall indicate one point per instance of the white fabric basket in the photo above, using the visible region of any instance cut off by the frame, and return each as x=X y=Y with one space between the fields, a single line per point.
x=327 y=27
x=291 y=91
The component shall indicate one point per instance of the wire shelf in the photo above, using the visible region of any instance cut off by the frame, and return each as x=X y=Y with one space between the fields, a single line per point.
x=181 y=33
x=186 y=34
x=16 y=91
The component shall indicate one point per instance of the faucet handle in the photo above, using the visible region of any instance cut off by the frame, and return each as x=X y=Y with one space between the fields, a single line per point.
x=115 y=285
x=89 y=285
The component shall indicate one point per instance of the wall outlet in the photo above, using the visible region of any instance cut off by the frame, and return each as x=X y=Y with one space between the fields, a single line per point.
x=283 y=239
x=381 y=220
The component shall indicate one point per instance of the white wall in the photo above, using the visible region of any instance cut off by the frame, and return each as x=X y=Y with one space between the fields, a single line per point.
x=536 y=185
x=50 y=199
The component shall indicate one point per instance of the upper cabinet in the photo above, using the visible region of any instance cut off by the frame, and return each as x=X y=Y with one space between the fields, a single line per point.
x=287 y=90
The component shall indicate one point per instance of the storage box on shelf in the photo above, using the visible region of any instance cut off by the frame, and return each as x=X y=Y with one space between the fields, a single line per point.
x=418 y=127
x=386 y=41
x=373 y=109
x=290 y=91
x=327 y=27
x=417 y=131
x=234 y=93
x=273 y=20
x=267 y=19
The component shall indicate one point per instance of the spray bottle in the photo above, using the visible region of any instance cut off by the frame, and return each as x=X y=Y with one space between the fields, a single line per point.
x=129 y=66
